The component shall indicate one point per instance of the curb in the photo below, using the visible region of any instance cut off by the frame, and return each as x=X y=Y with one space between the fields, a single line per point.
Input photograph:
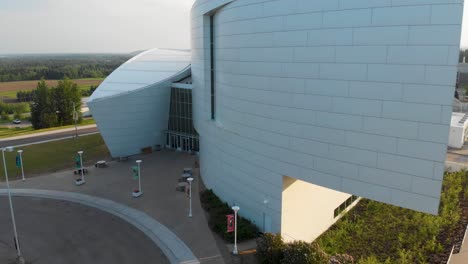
x=173 y=248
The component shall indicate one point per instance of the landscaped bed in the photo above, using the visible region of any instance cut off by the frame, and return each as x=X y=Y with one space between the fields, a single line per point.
x=374 y=232
x=217 y=211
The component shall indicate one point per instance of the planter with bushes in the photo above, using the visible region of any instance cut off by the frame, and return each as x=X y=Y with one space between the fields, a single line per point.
x=217 y=211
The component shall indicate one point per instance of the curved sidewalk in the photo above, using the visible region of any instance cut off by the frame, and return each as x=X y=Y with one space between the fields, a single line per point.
x=174 y=248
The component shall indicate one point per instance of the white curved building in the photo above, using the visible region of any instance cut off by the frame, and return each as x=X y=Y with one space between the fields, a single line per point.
x=131 y=106
x=354 y=96
x=300 y=105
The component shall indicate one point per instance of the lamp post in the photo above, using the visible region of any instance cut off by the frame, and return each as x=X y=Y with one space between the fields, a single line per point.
x=20 y=153
x=265 y=203
x=20 y=258
x=190 y=196
x=75 y=118
x=58 y=117
x=235 y=209
x=81 y=180
x=139 y=192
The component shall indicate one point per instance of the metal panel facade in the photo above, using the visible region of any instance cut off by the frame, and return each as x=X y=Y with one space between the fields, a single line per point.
x=338 y=93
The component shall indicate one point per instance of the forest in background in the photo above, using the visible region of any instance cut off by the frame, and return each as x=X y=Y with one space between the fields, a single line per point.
x=58 y=66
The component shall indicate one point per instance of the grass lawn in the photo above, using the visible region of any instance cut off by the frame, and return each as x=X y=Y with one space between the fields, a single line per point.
x=10 y=94
x=12 y=132
x=56 y=156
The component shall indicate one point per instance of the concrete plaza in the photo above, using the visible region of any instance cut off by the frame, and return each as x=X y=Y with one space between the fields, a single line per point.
x=160 y=173
x=57 y=232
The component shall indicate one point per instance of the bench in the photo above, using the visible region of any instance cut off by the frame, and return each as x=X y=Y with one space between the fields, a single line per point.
x=100 y=164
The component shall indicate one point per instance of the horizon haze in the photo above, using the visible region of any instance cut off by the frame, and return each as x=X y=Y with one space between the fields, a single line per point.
x=105 y=26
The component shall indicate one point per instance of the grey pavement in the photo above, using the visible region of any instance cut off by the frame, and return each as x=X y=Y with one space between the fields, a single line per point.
x=174 y=249
x=160 y=172
x=58 y=232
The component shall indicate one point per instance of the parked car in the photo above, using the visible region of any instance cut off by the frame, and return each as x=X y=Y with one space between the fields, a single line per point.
x=16 y=121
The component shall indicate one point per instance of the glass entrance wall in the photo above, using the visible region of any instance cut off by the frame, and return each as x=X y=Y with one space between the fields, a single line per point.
x=181 y=134
x=180 y=112
x=182 y=142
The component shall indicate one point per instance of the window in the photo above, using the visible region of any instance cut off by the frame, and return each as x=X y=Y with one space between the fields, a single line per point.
x=344 y=205
x=212 y=69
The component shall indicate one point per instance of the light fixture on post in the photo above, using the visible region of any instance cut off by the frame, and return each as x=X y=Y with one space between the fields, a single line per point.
x=265 y=203
x=75 y=119
x=190 y=196
x=20 y=258
x=235 y=209
x=80 y=181
x=139 y=192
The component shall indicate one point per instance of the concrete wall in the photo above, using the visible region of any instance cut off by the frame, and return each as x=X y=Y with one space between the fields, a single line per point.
x=136 y=119
x=307 y=205
x=131 y=106
x=355 y=96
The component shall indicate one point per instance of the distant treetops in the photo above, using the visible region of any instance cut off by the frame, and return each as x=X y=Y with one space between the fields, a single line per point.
x=55 y=106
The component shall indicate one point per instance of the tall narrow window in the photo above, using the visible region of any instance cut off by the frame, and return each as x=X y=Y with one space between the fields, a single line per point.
x=212 y=68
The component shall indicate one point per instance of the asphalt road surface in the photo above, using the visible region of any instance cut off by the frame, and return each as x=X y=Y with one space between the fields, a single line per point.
x=58 y=232
x=16 y=142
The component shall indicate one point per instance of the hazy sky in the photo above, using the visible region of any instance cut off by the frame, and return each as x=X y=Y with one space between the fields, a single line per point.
x=61 y=26
x=51 y=26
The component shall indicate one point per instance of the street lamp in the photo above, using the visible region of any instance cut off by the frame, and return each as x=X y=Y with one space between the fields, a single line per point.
x=75 y=118
x=58 y=117
x=18 y=250
x=139 y=192
x=265 y=203
x=236 y=209
x=190 y=196
x=81 y=180
x=20 y=153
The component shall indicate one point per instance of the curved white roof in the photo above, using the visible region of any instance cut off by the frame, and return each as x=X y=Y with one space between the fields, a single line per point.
x=149 y=67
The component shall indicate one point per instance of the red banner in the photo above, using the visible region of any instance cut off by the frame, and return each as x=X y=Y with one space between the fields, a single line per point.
x=230 y=223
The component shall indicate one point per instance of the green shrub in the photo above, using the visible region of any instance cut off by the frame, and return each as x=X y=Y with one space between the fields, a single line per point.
x=5 y=116
x=300 y=252
x=217 y=211
x=18 y=115
x=369 y=260
x=270 y=248
x=342 y=259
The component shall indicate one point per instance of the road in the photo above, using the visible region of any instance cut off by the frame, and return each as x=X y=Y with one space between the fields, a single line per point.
x=43 y=137
x=57 y=232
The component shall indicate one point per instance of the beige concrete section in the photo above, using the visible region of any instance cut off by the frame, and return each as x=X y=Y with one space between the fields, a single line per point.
x=160 y=172
x=305 y=205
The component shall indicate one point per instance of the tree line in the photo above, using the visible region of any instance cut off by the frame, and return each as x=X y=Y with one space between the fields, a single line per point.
x=28 y=96
x=13 y=109
x=55 y=106
x=57 y=67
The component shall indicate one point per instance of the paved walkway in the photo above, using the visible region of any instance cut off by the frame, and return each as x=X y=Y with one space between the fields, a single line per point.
x=70 y=233
x=160 y=201
x=462 y=256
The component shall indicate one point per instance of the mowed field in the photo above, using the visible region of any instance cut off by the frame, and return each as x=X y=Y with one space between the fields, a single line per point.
x=9 y=89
